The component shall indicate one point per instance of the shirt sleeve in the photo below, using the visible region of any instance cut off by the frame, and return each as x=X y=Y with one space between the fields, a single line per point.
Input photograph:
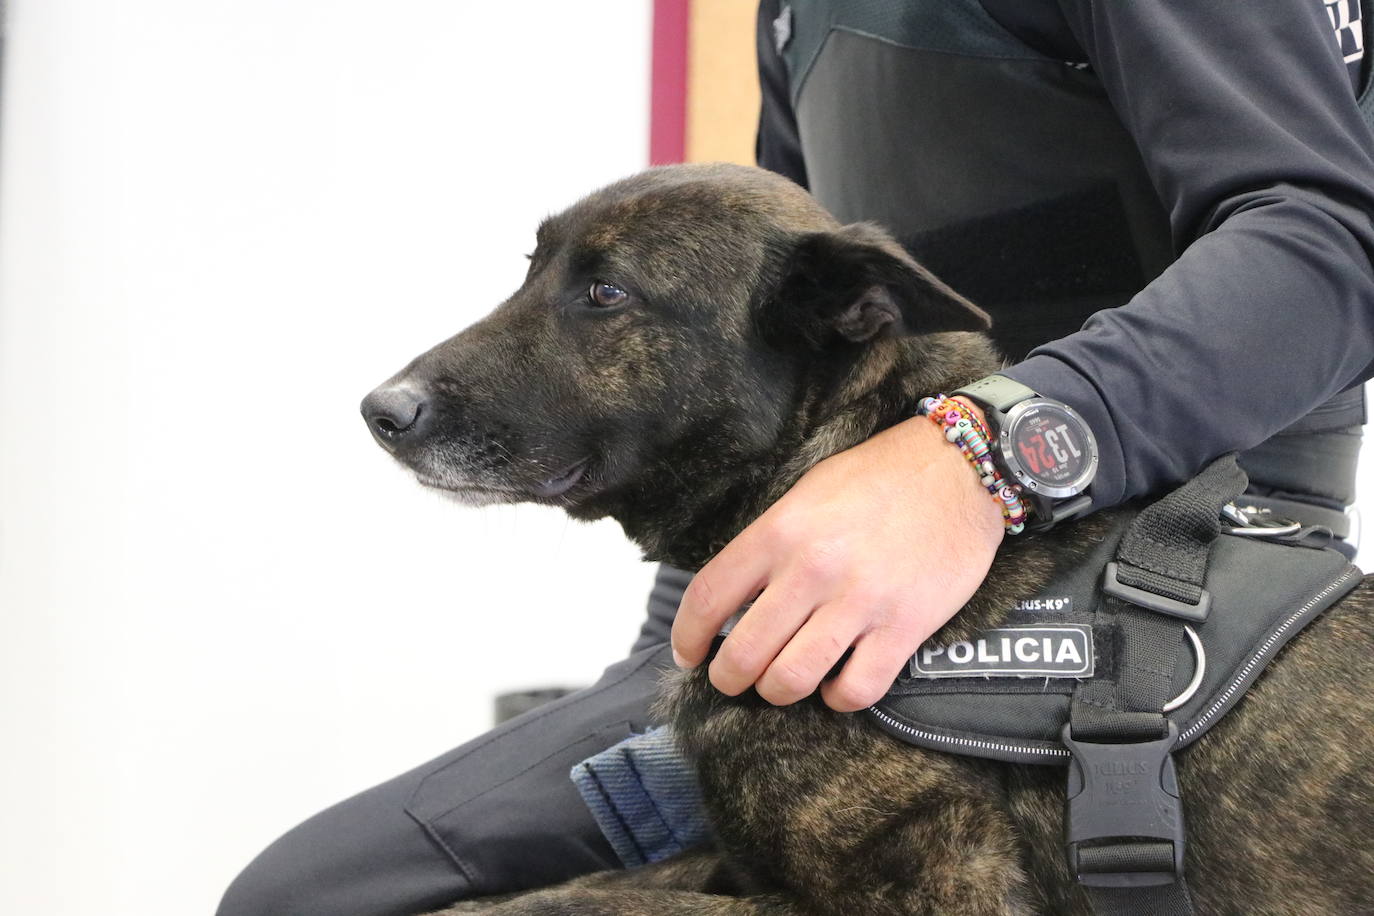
x=1247 y=126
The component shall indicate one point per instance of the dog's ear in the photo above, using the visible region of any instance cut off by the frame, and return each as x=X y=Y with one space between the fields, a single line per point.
x=857 y=284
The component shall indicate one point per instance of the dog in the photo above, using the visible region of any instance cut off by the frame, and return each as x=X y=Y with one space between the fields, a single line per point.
x=687 y=343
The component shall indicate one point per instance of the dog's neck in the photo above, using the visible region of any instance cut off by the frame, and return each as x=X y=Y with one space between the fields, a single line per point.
x=694 y=508
x=692 y=504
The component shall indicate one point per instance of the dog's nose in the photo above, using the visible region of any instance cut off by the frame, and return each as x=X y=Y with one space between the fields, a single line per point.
x=395 y=413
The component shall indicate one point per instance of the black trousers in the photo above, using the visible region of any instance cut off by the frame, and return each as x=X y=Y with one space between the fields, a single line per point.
x=497 y=814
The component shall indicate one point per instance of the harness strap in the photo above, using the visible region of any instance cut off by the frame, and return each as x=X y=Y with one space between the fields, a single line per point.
x=1128 y=707
x=1154 y=586
x=1165 y=550
x=1125 y=823
x=1158 y=900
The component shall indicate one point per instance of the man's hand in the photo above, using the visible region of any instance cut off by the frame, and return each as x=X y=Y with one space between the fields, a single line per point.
x=874 y=548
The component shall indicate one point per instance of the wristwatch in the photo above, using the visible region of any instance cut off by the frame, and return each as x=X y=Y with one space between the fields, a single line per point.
x=1040 y=445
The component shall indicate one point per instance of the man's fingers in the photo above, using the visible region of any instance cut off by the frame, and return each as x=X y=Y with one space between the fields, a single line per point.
x=724 y=585
x=761 y=633
x=865 y=679
x=808 y=657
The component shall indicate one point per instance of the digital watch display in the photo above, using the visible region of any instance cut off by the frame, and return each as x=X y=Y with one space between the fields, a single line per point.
x=1048 y=448
x=1040 y=445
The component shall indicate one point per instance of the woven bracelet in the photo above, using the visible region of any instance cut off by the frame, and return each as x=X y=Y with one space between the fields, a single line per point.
x=962 y=427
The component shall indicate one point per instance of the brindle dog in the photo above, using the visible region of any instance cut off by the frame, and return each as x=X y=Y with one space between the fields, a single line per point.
x=687 y=343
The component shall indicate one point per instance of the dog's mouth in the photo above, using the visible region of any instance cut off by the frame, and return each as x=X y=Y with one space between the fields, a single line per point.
x=561 y=483
x=548 y=489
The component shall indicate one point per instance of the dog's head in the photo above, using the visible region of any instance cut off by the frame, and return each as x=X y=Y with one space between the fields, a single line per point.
x=673 y=328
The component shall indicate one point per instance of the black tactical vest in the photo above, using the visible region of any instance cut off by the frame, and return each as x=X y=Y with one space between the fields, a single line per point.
x=1008 y=174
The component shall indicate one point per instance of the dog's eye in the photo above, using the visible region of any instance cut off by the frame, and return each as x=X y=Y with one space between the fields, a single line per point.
x=607 y=294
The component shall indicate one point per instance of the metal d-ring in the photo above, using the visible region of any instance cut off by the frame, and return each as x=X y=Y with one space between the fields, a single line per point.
x=1244 y=526
x=1199 y=669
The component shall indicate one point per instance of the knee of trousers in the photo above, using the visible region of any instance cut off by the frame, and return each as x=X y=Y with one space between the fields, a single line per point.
x=363 y=857
x=497 y=814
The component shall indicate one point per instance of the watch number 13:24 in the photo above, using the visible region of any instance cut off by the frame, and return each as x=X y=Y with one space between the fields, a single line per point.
x=1046 y=450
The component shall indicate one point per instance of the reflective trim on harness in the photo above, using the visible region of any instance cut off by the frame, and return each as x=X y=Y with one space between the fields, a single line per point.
x=1275 y=641
x=977 y=743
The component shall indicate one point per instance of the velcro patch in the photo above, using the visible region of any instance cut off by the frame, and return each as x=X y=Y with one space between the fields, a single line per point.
x=1059 y=651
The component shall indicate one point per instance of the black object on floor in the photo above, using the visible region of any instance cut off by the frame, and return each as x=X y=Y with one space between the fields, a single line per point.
x=509 y=705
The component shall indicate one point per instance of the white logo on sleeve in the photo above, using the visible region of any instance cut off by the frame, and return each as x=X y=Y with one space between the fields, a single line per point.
x=1345 y=20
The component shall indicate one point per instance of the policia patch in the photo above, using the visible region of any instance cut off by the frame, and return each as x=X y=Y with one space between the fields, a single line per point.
x=1033 y=651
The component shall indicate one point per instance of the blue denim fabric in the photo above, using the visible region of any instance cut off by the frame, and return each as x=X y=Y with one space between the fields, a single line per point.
x=644 y=796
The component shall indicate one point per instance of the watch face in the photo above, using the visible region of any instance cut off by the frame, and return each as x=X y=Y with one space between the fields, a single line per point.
x=1049 y=448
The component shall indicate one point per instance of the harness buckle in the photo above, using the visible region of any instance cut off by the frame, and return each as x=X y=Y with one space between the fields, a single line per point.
x=1124 y=825
x=1112 y=585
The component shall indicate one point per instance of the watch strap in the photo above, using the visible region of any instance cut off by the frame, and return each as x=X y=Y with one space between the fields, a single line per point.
x=1064 y=509
x=997 y=392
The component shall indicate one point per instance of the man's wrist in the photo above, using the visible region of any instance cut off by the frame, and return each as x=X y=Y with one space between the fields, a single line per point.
x=963 y=428
x=944 y=467
x=1042 y=448
x=1057 y=379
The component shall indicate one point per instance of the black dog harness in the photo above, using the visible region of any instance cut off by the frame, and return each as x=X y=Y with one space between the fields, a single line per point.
x=1119 y=663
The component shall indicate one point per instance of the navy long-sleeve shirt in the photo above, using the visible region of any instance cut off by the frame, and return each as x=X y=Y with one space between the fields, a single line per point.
x=1255 y=145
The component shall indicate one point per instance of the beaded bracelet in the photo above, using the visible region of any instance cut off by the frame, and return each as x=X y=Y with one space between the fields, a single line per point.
x=962 y=427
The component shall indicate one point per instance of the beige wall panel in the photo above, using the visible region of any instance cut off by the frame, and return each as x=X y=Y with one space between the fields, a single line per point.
x=722 y=82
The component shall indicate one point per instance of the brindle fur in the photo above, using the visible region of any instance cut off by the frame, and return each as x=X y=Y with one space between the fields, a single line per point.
x=761 y=338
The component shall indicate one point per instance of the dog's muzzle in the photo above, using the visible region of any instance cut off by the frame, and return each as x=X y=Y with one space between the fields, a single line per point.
x=397 y=415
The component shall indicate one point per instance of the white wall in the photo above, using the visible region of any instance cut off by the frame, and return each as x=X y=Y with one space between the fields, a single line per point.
x=222 y=607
